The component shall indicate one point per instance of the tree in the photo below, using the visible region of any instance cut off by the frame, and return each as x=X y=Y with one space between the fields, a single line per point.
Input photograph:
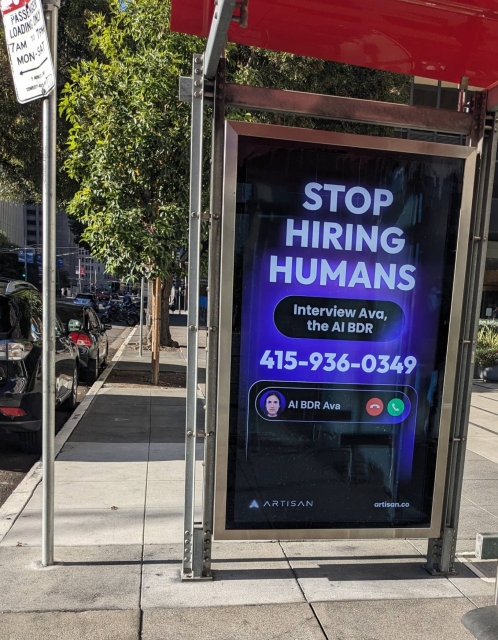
x=128 y=143
x=20 y=125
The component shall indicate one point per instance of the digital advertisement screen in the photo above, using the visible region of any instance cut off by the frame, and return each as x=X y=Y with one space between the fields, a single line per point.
x=343 y=274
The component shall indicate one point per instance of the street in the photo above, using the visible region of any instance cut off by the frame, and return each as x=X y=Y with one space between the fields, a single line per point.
x=14 y=463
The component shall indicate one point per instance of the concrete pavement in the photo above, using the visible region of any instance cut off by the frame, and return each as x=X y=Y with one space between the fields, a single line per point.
x=119 y=525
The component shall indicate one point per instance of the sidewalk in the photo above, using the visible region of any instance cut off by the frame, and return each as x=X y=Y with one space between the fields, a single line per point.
x=118 y=533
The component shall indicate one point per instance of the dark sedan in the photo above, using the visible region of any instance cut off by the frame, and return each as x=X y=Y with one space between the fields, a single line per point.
x=88 y=334
x=20 y=364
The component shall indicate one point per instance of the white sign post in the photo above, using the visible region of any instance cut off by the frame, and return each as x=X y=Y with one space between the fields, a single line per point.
x=32 y=47
x=28 y=47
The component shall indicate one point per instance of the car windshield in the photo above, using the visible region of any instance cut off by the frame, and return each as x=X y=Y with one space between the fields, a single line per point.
x=85 y=296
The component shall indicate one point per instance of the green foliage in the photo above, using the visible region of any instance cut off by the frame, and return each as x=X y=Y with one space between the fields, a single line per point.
x=64 y=278
x=128 y=143
x=487 y=338
x=486 y=357
x=492 y=324
x=20 y=125
x=265 y=68
x=487 y=346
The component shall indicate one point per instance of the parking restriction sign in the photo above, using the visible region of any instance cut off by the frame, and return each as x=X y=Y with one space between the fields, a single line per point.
x=28 y=47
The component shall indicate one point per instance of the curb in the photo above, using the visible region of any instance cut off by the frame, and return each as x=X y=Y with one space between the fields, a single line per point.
x=18 y=499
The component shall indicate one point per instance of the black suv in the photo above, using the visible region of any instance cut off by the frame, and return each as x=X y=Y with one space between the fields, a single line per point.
x=20 y=364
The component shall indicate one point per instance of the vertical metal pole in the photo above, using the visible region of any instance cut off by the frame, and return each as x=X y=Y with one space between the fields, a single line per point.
x=217 y=152
x=79 y=273
x=141 y=315
x=193 y=310
x=49 y=106
x=156 y=330
x=441 y=551
x=496 y=588
x=26 y=261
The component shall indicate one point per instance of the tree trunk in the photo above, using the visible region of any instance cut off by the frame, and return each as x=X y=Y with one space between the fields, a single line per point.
x=156 y=329
x=166 y=340
x=148 y=315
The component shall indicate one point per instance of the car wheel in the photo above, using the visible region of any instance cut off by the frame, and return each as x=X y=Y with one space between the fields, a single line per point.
x=92 y=370
x=31 y=441
x=132 y=320
x=70 y=403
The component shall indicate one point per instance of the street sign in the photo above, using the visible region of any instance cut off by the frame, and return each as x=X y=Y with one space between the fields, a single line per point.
x=60 y=263
x=80 y=271
x=28 y=47
x=39 y=258
x=26 y=255
x=342 y=259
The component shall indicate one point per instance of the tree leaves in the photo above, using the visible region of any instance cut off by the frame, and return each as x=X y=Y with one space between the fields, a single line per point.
x=20 y=125
x=128 y=142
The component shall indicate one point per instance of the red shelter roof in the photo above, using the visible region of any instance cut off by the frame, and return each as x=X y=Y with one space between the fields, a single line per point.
x=439 y=39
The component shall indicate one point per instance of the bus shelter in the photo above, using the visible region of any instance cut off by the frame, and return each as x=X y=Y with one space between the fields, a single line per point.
x=345 y=276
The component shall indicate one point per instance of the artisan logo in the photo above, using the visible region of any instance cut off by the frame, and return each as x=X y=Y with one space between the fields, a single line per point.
x=288 y=503
x=254 y=505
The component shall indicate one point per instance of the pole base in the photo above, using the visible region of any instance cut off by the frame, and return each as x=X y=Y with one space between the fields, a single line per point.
x=436 y=572
x=190 y=577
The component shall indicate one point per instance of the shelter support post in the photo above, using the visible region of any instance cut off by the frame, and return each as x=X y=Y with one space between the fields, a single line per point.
x=217 y=151
x=49 y=111
x=193 y=311
x=217 y=38
x=441 y=551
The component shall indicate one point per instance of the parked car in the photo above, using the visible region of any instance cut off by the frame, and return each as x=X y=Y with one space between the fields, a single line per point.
x=103 y=295
x=88 y=299
x=20 y=364
x=89 y=334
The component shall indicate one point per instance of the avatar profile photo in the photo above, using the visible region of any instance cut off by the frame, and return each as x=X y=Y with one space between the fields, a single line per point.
x=272 y=403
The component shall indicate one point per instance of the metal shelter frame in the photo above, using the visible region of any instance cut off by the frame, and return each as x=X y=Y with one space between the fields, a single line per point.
x=207 y=87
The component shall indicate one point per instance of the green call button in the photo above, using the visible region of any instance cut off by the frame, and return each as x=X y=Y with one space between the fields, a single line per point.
x=396 y=407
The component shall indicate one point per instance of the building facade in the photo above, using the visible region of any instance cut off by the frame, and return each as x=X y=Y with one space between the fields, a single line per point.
x=12 y=222
x=23 y=225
